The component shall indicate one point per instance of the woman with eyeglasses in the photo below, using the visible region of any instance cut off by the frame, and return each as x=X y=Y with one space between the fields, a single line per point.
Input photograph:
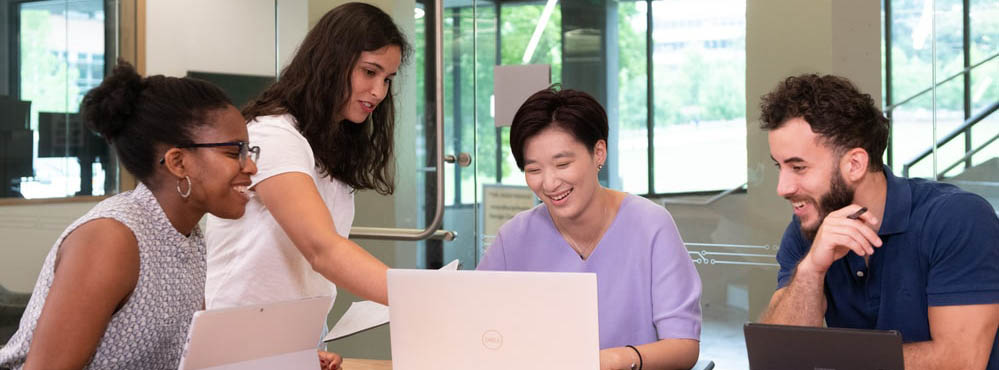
x=326 y=127
x=119 y=287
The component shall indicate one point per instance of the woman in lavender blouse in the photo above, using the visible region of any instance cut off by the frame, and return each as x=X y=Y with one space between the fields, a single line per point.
x=648 y=290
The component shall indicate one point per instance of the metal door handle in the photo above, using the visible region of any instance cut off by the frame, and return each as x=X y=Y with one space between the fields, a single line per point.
x=464 y=159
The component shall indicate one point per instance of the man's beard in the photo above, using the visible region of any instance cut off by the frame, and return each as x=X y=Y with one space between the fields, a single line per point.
x=840 y=195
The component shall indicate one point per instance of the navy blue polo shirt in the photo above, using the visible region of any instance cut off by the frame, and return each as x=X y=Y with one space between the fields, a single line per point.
x=940 y=248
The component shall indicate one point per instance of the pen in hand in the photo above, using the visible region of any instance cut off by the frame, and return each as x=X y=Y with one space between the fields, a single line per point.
x=856 y=215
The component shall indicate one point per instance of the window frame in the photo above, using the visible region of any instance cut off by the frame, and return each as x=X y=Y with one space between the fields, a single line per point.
x=124 y=25
x=499 y=158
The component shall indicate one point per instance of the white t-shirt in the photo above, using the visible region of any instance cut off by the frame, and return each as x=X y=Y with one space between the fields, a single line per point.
x=251 y=260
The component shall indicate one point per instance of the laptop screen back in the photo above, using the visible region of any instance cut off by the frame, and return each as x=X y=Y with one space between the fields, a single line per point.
x=493 y=320
x=797 y=347
x=284 y=334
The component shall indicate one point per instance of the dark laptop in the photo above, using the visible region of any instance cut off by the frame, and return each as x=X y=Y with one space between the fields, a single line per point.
x=780 y=347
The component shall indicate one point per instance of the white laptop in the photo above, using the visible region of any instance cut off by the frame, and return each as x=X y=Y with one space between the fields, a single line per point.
x=282 y=335
x=489 y=320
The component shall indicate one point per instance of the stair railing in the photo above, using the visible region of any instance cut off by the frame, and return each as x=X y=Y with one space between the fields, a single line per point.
x=965 y=128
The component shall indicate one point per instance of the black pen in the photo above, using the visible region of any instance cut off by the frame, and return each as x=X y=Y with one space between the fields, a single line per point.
x=856 y=215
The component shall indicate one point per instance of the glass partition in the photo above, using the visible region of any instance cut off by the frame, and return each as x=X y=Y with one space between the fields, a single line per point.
x=56 y=52
x=699 y=55
x=984 y=45
x=943 y=73
x=633 y=97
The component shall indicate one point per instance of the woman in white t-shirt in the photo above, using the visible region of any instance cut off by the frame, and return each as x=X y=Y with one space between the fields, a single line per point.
x=328 y=125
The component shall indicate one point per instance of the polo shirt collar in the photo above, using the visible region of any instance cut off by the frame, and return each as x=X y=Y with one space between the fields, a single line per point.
x=898 y=204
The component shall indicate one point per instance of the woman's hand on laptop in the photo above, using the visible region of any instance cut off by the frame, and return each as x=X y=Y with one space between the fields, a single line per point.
x=329 y=360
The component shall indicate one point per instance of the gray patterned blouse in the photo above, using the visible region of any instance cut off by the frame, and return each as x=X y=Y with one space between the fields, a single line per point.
x=150 y=329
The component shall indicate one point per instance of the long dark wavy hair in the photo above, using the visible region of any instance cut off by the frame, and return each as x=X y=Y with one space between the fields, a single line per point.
x=316 y=85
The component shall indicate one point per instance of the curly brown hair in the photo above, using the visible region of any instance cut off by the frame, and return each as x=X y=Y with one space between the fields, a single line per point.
x=834 y=108
x=316 y=85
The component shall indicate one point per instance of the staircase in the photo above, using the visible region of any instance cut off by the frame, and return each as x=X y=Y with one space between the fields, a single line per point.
x=982 y=179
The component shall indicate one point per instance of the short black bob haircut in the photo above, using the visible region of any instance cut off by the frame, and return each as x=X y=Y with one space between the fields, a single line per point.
x=574 y=111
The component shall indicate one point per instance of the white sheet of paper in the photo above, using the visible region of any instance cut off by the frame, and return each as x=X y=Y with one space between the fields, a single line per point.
x=363 y=315
x=359 y=316
x=451 y=266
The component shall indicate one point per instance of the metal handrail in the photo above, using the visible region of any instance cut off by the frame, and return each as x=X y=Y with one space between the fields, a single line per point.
x=431 y=231
x=928 y=89
x=953 y=134
x=726 y=245
x=967 y=155
x=705 y=202
x=388 y=233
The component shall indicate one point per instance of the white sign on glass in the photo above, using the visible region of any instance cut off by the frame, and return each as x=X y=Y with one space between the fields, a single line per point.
x=501 y=202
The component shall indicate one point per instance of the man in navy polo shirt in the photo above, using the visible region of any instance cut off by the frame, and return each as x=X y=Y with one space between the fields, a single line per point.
x=866 y=249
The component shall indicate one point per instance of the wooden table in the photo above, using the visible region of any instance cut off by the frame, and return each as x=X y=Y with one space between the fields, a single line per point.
x=361 y=364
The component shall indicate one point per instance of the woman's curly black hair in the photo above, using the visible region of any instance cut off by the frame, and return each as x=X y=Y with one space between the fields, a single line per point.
x=140 y=115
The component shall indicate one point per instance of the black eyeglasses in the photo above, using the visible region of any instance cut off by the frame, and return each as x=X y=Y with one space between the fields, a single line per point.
x=245 y=150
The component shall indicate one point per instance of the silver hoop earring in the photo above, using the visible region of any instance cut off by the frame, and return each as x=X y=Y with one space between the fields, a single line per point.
x=184 y=194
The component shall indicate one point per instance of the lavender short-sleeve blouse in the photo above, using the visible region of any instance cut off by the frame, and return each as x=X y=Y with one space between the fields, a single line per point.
x=647 y=287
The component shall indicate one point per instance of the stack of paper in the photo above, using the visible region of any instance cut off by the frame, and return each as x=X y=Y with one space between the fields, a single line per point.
x=364 y=315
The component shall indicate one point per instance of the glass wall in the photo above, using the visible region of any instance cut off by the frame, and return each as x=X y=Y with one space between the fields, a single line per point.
x=700 y=95
x=56 y=52
x=698 y=88
x=633 y=97
x=942 y=72
x=983 y=39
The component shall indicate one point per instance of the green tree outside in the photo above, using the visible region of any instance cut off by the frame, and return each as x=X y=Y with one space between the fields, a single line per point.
x=46 y=80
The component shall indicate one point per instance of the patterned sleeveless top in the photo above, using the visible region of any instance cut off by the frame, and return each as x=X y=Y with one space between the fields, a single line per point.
x=149 y=331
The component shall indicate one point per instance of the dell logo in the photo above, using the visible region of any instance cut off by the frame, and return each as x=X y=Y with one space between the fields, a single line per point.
x=492 y=339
